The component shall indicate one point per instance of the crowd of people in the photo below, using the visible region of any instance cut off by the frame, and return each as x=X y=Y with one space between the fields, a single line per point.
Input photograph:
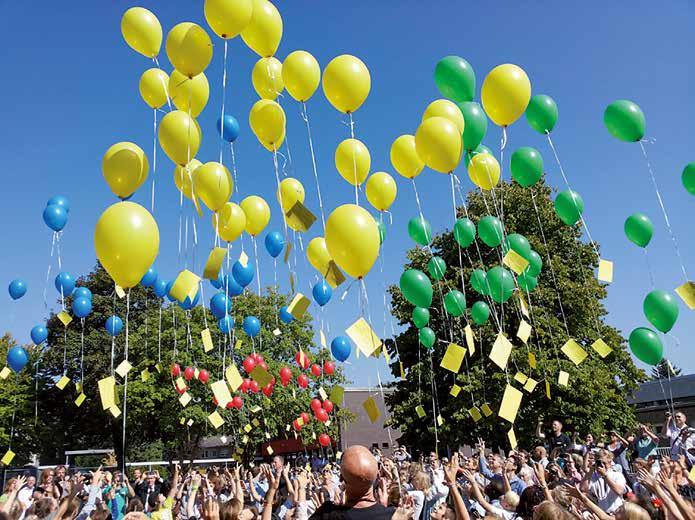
x=559 y=479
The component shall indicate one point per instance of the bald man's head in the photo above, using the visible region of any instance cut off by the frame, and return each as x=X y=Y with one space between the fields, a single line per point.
x=359 y=469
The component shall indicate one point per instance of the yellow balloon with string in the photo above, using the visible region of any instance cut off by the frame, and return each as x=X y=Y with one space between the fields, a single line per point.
x=266 y=78
x=381 y=190
x=267 y=121
x=264 y=32
x=318 y=255
x=229 y=222
x=301 y=75
x=125 y=168
x=189 y=94
x=352 y=160
x=257 y=214
x=505 y=94
x=346 y=83
x=179 y=136
x=189 y=48
x=212 y=183
x=404 y=157
x=227 y=18
x=484 y=171
x=183 y=177
x=439 y=144
x=352 y=238
x=142 y=31
x=153 y=87
x=446 y=109
x=289 y=193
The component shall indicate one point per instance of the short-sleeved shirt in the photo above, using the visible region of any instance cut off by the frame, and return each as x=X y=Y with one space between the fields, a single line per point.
x=602 y=493
x=561 y=441
x=645 y=447
x=331 y=511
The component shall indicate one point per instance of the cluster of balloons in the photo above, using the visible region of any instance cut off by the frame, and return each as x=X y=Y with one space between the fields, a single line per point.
x=55 y=215
x=82 y=302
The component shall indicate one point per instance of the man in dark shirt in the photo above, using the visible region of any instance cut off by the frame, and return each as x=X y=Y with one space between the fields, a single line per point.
x=558 y=442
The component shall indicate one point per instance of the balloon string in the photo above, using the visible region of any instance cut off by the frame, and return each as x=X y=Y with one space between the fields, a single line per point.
x=125 y=382
x=166 y=87
x=236 y=185
x=453 y=205
x=663 y=210
x=255 y=259
x=159 y=333
x=113 y=336
x=224 y=94
x=277 y=180
x=82 y=353
x=649 y=267
x=154 y=156
x=65 y=350
x=305 y=117
x=354 y=160
x=287 y=145
x=202 y=299
x=48 y=271
x=434 y=408
x=173 y=320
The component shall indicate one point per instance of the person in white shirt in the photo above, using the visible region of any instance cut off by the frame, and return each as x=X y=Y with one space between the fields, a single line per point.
x=26 y=494
x=606 y=483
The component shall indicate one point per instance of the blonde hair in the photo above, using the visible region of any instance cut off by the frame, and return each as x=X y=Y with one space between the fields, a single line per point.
x=550 y=511
x=511 y=499
x=635 y=512
x=421 y=481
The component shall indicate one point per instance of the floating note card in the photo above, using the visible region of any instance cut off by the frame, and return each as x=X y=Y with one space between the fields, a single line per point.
x=455 y=391
x=184 y=399
x=605 y=270
x=158 y=368
x=333 y=275
x=420 y=411
x=244 y=259
x=64 y=318
x=221 y=392
x=523 y=305
x=185 y=286
x=234 y=379
x=248 y=428
x=687 y=294
x=5 y=372
x=520 y=378
x=288 y=250
x=196 y=373
x=7 y=458
x=601 y=348
x=276 y=332
x=207 y=340
x=510 y=403
x=123 y=368
x=363 y=336
x=524 y=331
x=255 y=409
x=189 y=423
x=515 y=261
x=119 y=291
x=337 y=395
x=107 y=392
x=512 y=438
x=530 y=385
x=269 y=450
x=212 y=267
x=298 y=305
x=323 y=394
x=80 y=399
x=453 y=357
x=372 y=409
x=180 y=383
x=475 y=413
x=563 y=378
x=322 y=336
x=145 y=375
x=400 y=364
x=261 y=376
x=62 y=382
x=485 y=408
x=300 y=218
x=215 y=419
x=532 y=360
x=256 y=423
x=574 y=352
x=440 y=421
x=501 y=350
x=237 y=344
x=547 y=389
x=115 y=411
x=470 y=343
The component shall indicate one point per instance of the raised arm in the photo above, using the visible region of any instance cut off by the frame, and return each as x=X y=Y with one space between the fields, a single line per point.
x=477 y=494
x=273 y=484
x=539 y=470
x=450 y=473
x=539 y=426
x=174 y=484
x=7 y=506
x=577 y=493
x=667 y=425
x=193 y=493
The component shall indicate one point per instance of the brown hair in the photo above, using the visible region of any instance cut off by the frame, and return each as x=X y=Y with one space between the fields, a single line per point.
x=231 y=509
x=550 y=511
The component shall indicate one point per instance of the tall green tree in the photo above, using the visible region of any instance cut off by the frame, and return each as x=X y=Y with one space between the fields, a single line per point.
x=595 y=398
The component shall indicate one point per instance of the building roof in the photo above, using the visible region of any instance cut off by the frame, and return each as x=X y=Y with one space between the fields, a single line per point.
x=678 y=388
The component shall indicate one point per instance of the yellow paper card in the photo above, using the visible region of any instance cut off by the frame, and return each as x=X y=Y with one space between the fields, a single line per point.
x=453 y=357
x=185 y=285
x=261 y=376
x=269 y=450
x=158 y=367
x=530 y=385
x=687 y=294
x=547 y=389
x=440 y=421
x=501 y=350
x=221 y=392
x=515 y=261
x=563 y=378
x=323 y=394
x=372 y=409
x=605 y=270
x=189 y=423
x=62 y=382
x=237 y=344
x=64 y=318
x=180 y=383
x=520 y=378
x=107 y=392
x=215 y=419
x=512 y=438
x=363 y=336
x=334 y=276
x=532 y=360
x=574 y=352
x=80 y=399
x=455 y=390
x=510 y=403
x=207 y=340
x=5 y=372
x=244 y=259
x=115 y=411
x=337 y=395
x=79 y=387
x=255 y=409
x=524 y=331
x=487 y=411
x=298 y=305
x=256 y=423
x=7 y=457
x=212 y=267
x=400 y=364
x=123 y=368
x=288 y=250
x=323 y=339
x=300 y=218
x=247 y=428
x=300 y=421
x=475 y=413
x=601 y=348
x=276 y=332
x=145 y=375
x=524 y=306
x=184 y=399
x=470 y=343
x=420 y=411
x=119 y=291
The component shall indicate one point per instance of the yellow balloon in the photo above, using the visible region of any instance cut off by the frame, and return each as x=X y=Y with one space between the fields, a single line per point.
x=290 y=192
x=352 y=238
x=228 y=17
x=484 y=171
x=126 y=240
x=318 y=255
x=185 y=91
x=381 y=190
x=447 y=109
x=212 y=183
x=257 y=214
x=353 y=161
x=267 y=120
x=264 y=32
x=142 y=31
x=271 y=147
x=189 y=48
x=301 y=74
x=505 y=94
x=183 y=177
x=439 y=143
x=153 y=87
x=229 y=222
x=125 y=168
x=404 y=157
x=266 y=77
x=179 y=136
x=346 y=83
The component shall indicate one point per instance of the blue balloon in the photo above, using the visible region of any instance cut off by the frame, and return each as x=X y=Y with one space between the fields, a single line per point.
x=81 y=307
x=322 y=292
x=340 y=348
x=39 y=333
x=187 y=304
x=65 y=284
x=285 y=315
x=252 y=326
x=17 y=288
x=160 y=288
x=243 y=275
x=114 y=325
x=61 y=201
x=226 y=324
x=149 y=278
x=17 y=358
x=231 y=128
x=220 y=305
x=219 y=282
x=232 y=287
x=170 y=284
x=82 y=292
x=274 y=243
x=55 y=217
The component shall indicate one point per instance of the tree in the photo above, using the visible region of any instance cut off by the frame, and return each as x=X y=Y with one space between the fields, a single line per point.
x=593 y=401
x=664 y=370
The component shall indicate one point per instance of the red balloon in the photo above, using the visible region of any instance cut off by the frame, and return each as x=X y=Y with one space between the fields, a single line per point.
x=305 y=417
x=329 y=368
x=268 y=389
x=321 y=414
x=285 y=373
x=175 y=370
x=328 y=405
x=182 y=391
x=324 y=440
x=316 y=370
x=302 y=360
x=258 y=358
x=189 y=373
x=303 y=380
x=203 y=376
x=230 y=405
x=263 y=365
x=245 y=385
x=296 y=425
x=253 y=386
x=237 y=402
x=249 y=364
x=315 y=404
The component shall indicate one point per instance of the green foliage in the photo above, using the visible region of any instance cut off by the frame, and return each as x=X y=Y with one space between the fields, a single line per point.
x=594 y=400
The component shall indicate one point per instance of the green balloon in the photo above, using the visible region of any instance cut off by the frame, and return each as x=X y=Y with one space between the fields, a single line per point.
x=416 y=288
x=464 y=232
x=569 y=206
x=436 y=267
x=479 y=282
x=455 y=79
x=527 y=281
x=501 y=284
x=490 y=230
x=535 y=264
x=481 y=148
x=455 y=303
x=421 y=317
x=527 y=166
x=420 y=231
x=661 y=309
x=480 y=312
x=639 y=229
x=625 y=120
x=475 y=126
x=541 y=113
x=646 y=345
x=427 y=337
x=517 y=243
x=688 y=178
x=382 y=232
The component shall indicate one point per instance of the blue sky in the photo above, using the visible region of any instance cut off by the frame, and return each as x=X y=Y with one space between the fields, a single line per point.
x=70 y=91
